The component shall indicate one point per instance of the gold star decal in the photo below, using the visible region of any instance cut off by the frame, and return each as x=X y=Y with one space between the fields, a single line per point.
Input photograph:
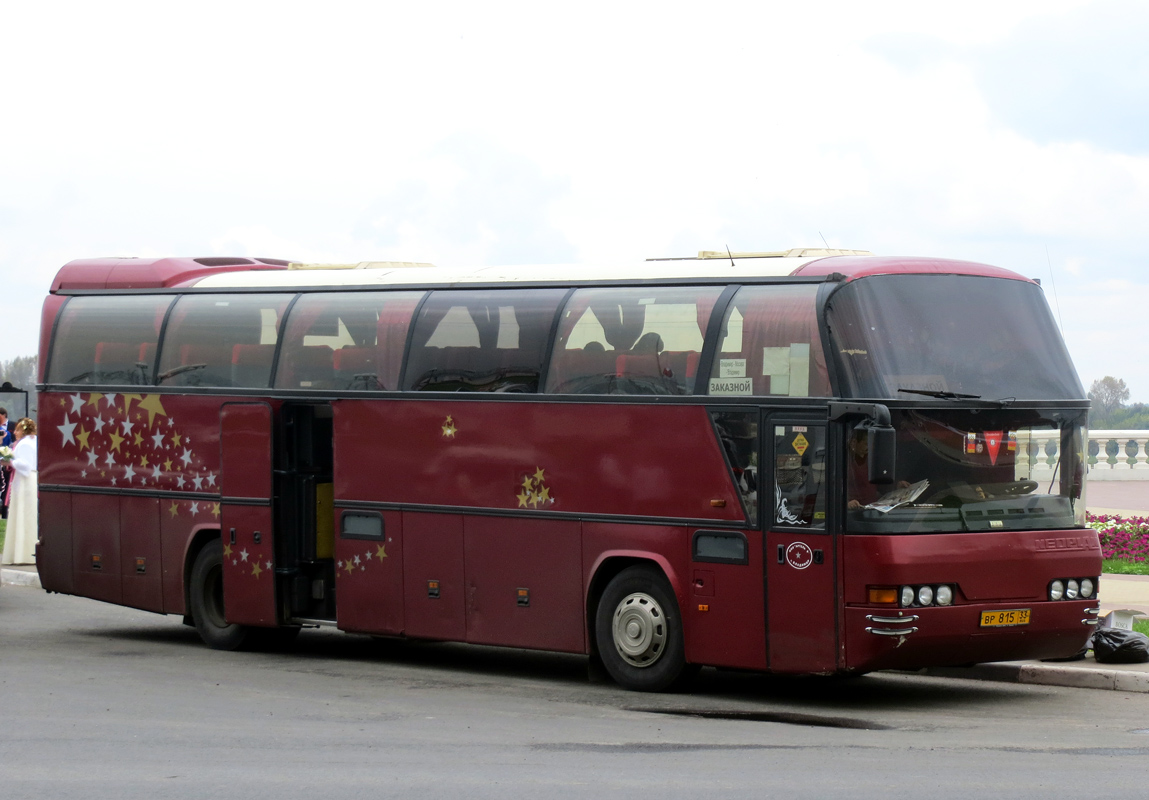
x=215 y=509
x=544 y=494
x=94 y=400
x=528 y=483
x=116 y=440
x=82 y=438
x=449 y=429
x=380 y=552
x=174 y=509
x=227 y=549
x=176 y=439
x=168 y=465
x=151 y=404
x=62 y=403
x=256 y=569
x=539 y=474
x=347 y=565
x=128 y=398
x=143 y=460
x=139 y=439
x=524 y=497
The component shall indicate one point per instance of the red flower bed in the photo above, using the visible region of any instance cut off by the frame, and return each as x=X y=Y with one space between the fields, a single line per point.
x=1126 y=538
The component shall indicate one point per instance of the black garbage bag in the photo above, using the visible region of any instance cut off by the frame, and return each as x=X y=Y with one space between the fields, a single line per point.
x=1119 y=646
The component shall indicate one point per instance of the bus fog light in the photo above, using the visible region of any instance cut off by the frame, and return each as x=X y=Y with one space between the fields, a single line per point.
x=1086 y=588
x=1071 y=590
x=1056 y=590
x=944 y=595
x=907 y=596
x=926 y=595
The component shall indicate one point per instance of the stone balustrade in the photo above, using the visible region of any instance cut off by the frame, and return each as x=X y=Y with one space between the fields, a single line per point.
x=1116 y=455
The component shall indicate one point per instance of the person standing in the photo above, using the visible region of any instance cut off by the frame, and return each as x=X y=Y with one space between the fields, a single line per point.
x=20 y=539
x=5 y=470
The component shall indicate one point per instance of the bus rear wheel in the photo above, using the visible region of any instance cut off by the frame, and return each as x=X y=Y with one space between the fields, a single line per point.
x=639 y=632
x=206 y=601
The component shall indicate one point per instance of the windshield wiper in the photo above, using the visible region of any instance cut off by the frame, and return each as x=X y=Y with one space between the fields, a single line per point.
x=942 y=395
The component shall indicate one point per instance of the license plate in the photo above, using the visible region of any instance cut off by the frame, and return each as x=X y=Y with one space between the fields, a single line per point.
x=1002 y=619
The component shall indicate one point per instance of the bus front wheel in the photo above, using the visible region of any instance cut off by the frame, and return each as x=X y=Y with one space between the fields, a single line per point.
x=206 y=601
x=639 y=632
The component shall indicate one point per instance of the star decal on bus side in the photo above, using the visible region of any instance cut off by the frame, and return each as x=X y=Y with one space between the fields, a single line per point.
x=449 y=429
x=534 y=493
x=67 y=429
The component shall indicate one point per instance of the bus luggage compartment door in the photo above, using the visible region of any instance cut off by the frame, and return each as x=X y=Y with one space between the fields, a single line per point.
x=246 y=513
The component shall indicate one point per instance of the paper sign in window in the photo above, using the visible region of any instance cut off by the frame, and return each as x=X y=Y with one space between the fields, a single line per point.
x=788 y=369
x=732 y=368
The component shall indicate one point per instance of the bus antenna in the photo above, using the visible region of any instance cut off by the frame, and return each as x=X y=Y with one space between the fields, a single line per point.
x=731 y=257
x=1054 y=283
x=824 y=240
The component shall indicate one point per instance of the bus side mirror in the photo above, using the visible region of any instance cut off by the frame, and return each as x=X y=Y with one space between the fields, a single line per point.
x=882 y=446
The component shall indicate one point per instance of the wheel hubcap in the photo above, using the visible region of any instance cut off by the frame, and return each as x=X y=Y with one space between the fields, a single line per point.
x=639 y=630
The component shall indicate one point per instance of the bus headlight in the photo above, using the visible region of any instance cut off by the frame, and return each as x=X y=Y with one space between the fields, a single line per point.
x=1056 y=590
x=1086 y=588
x=907 y=596
x=1071 y=590
x=944 y=595
x=926 y=595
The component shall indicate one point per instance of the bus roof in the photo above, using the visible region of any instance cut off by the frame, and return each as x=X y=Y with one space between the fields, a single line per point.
x=256 y=273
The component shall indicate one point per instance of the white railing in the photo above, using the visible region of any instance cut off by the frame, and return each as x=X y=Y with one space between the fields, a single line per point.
x=1131 y=462
x=1115 y=455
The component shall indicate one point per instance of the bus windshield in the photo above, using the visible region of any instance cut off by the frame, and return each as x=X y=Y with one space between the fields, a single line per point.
x=905 y=336
x=972 y=470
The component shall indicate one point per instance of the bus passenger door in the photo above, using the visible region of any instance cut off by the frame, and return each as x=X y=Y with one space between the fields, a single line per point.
x=801 y=604
x=246 y=513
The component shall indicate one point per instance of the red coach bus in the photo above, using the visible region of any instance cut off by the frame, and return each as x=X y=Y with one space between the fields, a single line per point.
x=801 y=462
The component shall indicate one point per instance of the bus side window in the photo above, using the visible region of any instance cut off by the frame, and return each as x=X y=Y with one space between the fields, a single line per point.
x=771 y=344
x=738 y=434
x=108 y=340
x=481 y=341
x=346 y=341
x=210 y=340
x=631 y=340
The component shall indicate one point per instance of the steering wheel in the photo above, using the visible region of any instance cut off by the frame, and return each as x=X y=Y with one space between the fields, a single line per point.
x=1018 y=488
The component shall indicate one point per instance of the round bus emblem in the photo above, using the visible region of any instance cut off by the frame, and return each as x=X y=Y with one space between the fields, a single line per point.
x=799 y=555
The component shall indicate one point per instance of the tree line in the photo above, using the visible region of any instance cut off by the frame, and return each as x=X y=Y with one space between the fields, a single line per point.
x=1110 y=412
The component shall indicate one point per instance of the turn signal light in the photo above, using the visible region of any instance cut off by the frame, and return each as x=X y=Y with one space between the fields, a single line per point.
x=882 y=596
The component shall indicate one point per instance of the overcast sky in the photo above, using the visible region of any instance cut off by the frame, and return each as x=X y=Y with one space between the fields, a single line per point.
x=1013 y=133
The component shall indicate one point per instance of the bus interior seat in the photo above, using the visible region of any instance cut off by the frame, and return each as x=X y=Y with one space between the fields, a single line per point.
x=251 y=364
x=354 y=368
x=577 y=370
x=312 y=367
x=114 y=362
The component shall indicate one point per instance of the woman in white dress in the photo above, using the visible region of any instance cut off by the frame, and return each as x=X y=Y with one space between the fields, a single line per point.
x=20 y=539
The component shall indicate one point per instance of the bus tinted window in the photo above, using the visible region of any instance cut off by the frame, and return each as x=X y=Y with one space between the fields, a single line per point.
x=909 y=336
x=108 y=340
x=346 y=341
x=221 y=340
x=481 y=341
x=770 y=344
x=631 y=341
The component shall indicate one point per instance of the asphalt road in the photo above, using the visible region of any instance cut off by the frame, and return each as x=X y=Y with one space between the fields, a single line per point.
x=104 y=702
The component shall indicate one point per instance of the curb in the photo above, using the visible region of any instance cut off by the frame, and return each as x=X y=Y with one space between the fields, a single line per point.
x=1038 y=673
x=19 y=577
